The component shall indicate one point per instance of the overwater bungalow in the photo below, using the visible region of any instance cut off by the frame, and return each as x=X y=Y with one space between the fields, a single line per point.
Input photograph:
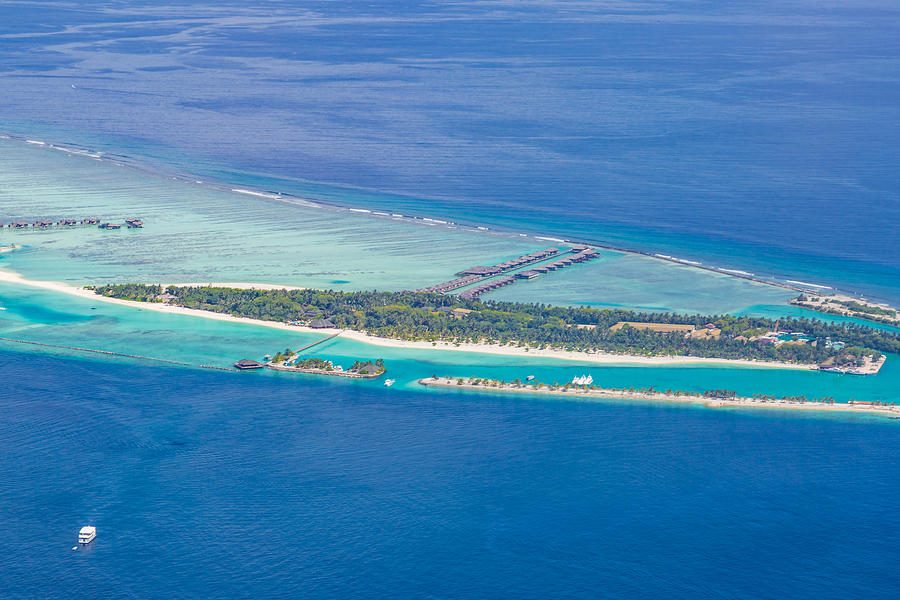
x=246 y=364
x=90 y=221
x=483 y=271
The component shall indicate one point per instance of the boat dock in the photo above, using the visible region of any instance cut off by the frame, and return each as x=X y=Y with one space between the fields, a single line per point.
x=488 y=274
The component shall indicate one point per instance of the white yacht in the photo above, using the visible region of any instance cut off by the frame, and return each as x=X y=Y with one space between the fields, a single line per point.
x=87 y=534
x=388 y=382
x=529 y=378
x=583 y=380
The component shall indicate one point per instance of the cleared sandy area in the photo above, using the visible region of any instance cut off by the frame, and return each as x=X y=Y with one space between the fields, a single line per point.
x=835 y=304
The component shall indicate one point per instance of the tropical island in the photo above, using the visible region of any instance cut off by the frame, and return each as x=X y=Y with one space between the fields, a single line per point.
x=446 y=319
x=293 y=363
x=711 y=398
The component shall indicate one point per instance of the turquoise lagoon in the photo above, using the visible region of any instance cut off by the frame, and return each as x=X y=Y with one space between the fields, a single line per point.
x=52 y=318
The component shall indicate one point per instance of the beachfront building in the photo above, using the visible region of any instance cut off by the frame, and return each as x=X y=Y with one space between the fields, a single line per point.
x=321 y=324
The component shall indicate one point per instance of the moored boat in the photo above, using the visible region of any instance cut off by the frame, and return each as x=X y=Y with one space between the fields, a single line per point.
x=87 y=534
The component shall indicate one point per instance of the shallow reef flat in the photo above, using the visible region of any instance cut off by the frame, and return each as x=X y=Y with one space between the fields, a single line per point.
x=193 y=232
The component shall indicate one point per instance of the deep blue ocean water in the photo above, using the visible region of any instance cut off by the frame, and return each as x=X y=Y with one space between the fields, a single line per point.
x=219 y=485
x=760 y=135
x=756 y=135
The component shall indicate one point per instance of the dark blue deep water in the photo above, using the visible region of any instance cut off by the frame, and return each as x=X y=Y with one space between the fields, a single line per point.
x=755 y=134
x=217 y=485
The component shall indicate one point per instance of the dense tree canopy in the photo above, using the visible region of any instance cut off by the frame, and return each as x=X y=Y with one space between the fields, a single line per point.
x=434 y=317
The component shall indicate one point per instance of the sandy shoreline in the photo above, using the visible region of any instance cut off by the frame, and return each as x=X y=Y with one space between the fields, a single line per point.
x=496 y=349
x=831 y=305
x=739 y=402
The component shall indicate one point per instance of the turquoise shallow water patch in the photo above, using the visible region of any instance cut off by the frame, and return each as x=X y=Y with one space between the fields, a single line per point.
x=65 y=320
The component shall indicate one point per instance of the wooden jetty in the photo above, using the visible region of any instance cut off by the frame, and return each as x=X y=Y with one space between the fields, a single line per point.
x=316 y=343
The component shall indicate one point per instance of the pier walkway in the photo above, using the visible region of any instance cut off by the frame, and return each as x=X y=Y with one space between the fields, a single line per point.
x=316 y=343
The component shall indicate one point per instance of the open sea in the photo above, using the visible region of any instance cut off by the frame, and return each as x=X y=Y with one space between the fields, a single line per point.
x=757 y=136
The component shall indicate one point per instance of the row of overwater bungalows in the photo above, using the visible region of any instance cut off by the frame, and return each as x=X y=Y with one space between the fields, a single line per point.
x=516 y=263
x=576 y=255
x=132 y=223
x=472 y=275
x=487 y=286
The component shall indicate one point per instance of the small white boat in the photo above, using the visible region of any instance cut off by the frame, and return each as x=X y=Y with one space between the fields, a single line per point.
x=388 y=382
x=87 y=534
x=529 y=378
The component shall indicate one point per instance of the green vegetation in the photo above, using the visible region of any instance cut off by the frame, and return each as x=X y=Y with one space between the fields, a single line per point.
x=729 y=395
x=314 y=363
x=433 y=317
x=130 y=291
x=865 y=308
